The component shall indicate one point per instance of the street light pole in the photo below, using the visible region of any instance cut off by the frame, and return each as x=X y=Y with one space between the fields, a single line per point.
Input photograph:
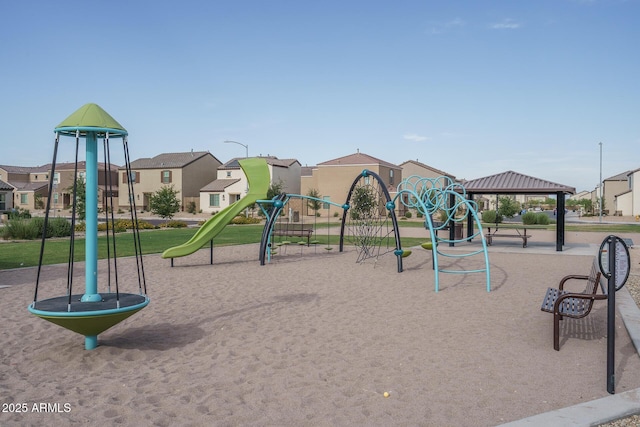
x=600 y=184
x=246 y=147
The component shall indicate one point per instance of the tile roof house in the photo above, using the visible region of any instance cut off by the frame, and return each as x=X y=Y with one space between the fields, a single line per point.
x=626 y=201
x=612 y=188
x=416 y=168
x=22 y=186
x=187 y=172
x=231 y=183
x=333 y=178
x=6 y=196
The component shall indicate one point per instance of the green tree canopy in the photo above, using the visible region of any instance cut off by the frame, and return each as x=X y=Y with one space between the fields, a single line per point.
x=164 y=202
x=314 y=204
x=81 y=197
x=508 y=207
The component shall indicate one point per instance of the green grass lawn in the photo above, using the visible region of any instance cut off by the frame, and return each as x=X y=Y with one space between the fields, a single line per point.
x=26 y=253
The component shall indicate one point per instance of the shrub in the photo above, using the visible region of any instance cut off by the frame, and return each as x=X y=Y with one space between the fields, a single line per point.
x=173 y=224
x=529 y=218
x=241 y=219
x=191 y=207
x=29 y=229
x=491 y=217
x=407 y=214
x=23 y=229
x=542 y=218
x=58 y=227
x=19 y=214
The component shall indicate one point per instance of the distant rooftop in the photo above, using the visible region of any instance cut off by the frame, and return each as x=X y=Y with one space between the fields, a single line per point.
x=358 y=159
x=168 y=160
x=271 y=160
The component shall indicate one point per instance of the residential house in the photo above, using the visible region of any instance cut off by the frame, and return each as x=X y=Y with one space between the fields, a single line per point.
x=231 y=183
x=627 y=202
x=6 y=196
x=614 y=186
x=414 y=168
x=25 y=187
x=186 y=172
x=63 y=181
x=31 y=185
x=333 y=179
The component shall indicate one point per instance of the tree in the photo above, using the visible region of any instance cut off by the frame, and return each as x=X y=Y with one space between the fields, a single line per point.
x=273 y=190
x=364 y=203
x=164 y=202
x=81 y=197
x=314 y=204
x=508 y=207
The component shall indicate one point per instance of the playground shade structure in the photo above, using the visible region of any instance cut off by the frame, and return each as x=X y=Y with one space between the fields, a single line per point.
x=258 y=176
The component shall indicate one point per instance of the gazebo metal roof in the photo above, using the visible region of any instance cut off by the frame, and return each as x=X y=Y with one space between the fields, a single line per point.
x=511 y=182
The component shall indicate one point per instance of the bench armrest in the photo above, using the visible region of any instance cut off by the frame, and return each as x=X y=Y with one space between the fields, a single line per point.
x=593 y=297
x=571 y=277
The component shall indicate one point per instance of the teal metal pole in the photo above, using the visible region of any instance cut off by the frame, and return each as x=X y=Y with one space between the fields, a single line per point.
x=91 y=221
x=91 y=237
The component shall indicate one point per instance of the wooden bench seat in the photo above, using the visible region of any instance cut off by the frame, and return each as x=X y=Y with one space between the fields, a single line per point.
x=285 y=229
x=562 y=302
x=500 y=233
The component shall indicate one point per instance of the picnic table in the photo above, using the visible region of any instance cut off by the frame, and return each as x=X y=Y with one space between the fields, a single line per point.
x=508 y=232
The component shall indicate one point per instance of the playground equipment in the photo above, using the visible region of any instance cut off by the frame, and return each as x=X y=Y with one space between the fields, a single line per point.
x=369 y=220
x=273 y=210
x=448 y=199
x=258 y=177
x=92 y=313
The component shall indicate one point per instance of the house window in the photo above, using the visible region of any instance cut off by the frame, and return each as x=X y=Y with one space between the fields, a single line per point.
x=24 y=198
x=135 y=177
x=3 y=201
x=56 y=178
x=228 y=174
x=214 y=200
x=390 y=176
x=165 y=177
x=82 y=175
x=55 y=198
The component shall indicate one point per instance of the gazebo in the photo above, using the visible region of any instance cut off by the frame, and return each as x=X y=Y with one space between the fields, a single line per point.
x=511 y=182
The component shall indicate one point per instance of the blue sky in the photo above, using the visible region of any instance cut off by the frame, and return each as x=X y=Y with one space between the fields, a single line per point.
x=473 y=88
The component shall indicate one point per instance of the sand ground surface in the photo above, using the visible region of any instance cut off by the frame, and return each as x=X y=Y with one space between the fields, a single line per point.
x=314 y=338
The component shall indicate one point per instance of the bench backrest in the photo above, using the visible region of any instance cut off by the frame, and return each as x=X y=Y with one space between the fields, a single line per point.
x=594 y=279
x=290 y=226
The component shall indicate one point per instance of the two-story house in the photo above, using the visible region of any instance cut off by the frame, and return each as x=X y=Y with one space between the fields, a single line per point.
x=23 y=187
x=187 y=172
x=63 y=177
x=333 y=178
x=231 y=183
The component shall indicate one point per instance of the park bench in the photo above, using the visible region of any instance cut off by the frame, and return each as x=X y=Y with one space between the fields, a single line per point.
x=290 y=229
x=562 y=302
x=500 y=233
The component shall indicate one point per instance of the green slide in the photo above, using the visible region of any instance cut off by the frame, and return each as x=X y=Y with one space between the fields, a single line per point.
x=257 y=173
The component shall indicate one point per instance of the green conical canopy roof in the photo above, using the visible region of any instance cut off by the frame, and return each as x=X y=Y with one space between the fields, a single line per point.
x=91 y=118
